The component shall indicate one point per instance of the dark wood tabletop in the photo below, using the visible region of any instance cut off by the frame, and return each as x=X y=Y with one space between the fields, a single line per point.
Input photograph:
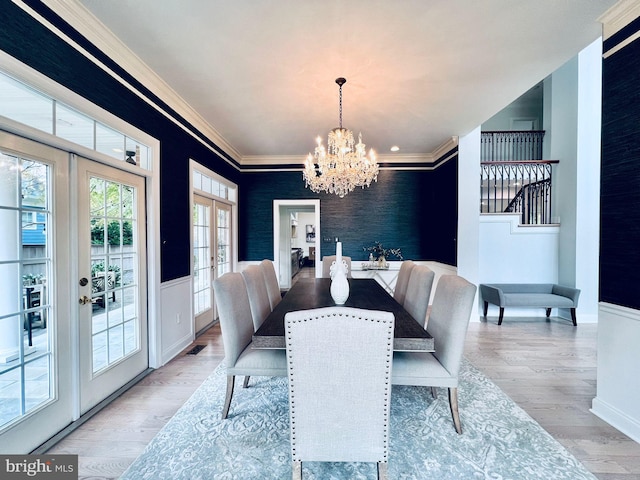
x=367 y=293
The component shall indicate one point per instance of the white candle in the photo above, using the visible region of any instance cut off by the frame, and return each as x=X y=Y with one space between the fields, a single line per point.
x=338 y=253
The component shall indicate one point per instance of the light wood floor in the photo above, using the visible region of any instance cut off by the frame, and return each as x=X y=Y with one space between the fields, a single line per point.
x=547 y=367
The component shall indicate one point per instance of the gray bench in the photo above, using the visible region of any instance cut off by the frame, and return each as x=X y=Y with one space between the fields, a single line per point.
x=543 y=295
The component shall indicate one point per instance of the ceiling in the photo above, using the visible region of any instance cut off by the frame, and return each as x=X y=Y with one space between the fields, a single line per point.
x=262 y=73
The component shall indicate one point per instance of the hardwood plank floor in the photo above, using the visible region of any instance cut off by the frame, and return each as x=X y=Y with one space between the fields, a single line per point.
x=547 y=366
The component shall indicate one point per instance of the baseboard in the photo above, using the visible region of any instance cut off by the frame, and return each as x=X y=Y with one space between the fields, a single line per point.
x=616 y=419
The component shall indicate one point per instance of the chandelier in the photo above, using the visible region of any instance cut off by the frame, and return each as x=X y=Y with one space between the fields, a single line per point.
x=345 y=166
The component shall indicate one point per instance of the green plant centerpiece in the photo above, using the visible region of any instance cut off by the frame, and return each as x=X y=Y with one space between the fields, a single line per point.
x=380 y=253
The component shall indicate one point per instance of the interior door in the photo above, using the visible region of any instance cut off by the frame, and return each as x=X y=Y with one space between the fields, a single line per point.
x=36 y=371
x=203 y=261
x=111 y=279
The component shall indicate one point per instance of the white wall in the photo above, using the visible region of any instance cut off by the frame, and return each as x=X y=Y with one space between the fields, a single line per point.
x=528 y=106
x=573 y=133
x=304 y=219
x=618 y=359
x=468 y=240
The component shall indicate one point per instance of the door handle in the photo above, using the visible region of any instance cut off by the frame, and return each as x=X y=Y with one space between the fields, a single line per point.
x=83 y=300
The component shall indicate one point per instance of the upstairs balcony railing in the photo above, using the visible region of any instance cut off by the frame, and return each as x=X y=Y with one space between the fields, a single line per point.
x=511 y=145
x=514 y=178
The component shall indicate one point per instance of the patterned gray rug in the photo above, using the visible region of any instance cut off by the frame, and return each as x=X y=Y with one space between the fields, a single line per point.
x=499 y=440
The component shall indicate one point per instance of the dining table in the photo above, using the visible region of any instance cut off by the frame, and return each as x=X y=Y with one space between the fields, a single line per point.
x=365 y=293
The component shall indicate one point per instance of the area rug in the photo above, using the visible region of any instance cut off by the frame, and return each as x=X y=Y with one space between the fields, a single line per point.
x=499 y=440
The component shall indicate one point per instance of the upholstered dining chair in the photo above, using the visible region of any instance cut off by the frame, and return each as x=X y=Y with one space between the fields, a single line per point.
x=258 y=294
x=448 y=323
x=326 y=265
x=339 y=389
x=271 y=279
x=402 y=282
x=418 y=293
x=236 y=325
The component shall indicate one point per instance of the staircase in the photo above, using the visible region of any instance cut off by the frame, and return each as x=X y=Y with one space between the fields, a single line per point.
x=513 y=176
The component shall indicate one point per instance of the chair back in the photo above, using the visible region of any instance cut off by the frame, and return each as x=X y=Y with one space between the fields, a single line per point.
x=326 y=265
x=416 y=300
x=400 y=290
x=449 y=319
x=234 y=312
x=271 y=280
x=258 y=295
x=339 y=362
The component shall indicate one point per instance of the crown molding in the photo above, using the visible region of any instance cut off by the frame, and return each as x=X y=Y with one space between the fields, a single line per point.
x=289 y=160
x=388 y=159
x=446 y=147
x=81 y=19
x=619 y=16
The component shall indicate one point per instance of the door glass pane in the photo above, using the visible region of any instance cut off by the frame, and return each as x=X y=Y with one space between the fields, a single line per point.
x=25 y=105
x=26 y=357
x=114 y=254
x=224 y=240
x=74 y=126
x=201 y=257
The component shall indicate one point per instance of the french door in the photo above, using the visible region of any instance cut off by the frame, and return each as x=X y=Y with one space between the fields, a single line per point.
x=211 y=254
x=36 y=370
x=111 y=280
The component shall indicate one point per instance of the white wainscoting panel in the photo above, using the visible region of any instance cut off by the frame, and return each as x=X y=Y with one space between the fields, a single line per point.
x=617 y=399
x=176 y=319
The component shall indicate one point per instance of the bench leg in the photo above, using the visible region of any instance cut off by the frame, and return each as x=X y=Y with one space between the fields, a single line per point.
x=486 y=307
x=548 y=312
x=501 y=315
x=573 y=317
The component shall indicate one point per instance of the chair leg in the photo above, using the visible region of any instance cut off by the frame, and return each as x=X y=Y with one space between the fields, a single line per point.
x=434 y=392
x=453 y=404
x=485 y=309
x=382 y=471
x=501 y=315
x=245 y=384
x=297 y=470
x=227 y=400
x=573 y=317
x=548 y=312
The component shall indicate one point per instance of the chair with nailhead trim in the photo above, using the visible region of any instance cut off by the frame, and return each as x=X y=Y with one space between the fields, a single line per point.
x=339 y=363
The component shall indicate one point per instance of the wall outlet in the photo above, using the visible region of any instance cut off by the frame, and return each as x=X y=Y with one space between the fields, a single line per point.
x=178 y=319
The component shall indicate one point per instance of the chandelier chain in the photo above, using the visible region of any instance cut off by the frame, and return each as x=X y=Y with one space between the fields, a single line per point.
x=340 y=105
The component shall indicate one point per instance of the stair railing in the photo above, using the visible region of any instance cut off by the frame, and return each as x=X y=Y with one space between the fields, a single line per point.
x=517 y=186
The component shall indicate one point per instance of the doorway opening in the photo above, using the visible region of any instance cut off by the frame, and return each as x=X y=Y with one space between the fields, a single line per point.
x=296 y=237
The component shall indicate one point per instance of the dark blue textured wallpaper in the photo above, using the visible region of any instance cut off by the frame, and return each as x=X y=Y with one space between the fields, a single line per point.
x=415 y=211
x=620 y=177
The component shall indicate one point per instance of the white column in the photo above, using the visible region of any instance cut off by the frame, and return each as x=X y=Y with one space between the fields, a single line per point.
x=10 y=282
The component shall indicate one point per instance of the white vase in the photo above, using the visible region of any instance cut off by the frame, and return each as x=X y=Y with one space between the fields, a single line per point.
x=339 y=283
